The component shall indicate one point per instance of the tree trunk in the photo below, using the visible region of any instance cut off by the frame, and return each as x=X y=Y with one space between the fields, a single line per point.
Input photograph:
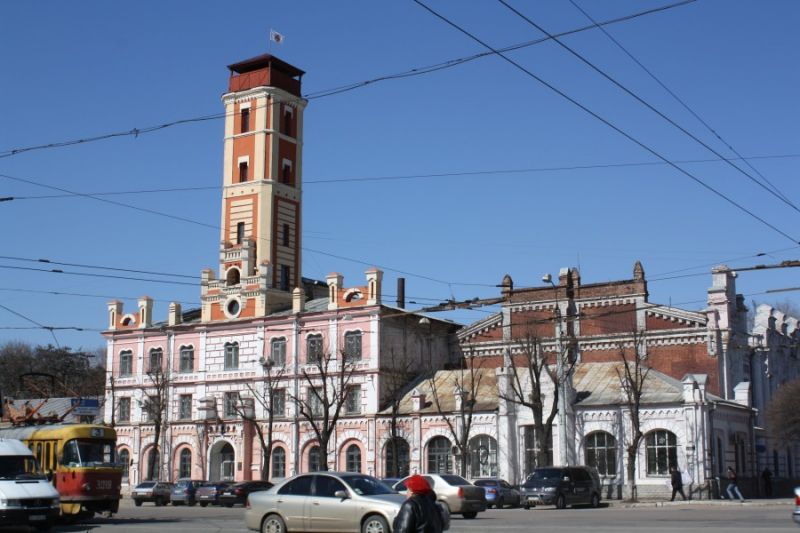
x=634 y=496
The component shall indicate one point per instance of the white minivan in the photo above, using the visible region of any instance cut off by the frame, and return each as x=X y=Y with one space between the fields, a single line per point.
x=26 y=496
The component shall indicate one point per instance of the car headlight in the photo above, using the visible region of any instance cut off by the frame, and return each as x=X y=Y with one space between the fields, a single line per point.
x=9 y=503
x=549 y=489
x=55 y=503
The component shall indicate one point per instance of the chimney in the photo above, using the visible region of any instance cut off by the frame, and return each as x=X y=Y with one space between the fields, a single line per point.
x=145 y=312
x=206 y=276
x=175 y=316
x=417 y=400
x=741 y=393
x=114 y=312
x=335 y=281
x=374 y=280
x=401 y=293
x=298 y=300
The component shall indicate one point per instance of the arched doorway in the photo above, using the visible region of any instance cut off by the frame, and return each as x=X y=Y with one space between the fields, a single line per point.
x=222 y=461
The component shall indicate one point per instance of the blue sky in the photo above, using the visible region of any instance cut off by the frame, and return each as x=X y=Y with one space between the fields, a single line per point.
x=74 y=70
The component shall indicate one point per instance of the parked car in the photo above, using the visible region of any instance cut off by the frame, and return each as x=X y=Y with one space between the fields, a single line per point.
x=390 y=481
x=238 y=493
x=562 y=486
x=157 y=492
x=324 y=501
x=184 y=491
x=460 y=496
x=796 y=514
x=210 y=492
x=499 y=493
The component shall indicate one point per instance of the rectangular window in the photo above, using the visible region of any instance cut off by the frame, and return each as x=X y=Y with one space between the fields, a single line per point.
x=242 y=172
x=187 y=359
x=352 y=404
x=240 y=233
x=278 y=403
x=231 y=356
x=352 y=346
x=124 y=414
x=286 y=173
x=284 y=278
x=150 y=409
x=229 y=409
x=287 y=122
x=315 y=402
x=286 y=234
x=313 y=349
x=185 y=412
x=245 y=120
x=278 y=352
x=126 y=363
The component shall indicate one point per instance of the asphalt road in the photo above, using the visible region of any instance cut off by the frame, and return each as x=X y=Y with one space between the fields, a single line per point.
x=680 y=518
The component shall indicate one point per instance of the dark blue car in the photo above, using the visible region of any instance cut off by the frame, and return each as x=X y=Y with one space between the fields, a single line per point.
x=499 y=493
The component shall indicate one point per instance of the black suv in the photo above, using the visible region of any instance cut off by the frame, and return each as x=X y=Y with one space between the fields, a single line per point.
x=562 y=486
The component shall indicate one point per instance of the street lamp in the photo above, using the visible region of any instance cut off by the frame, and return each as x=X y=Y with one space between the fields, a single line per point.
x=561 y=378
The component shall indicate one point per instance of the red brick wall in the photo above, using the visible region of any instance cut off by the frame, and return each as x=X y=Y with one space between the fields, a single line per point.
x=608 y=319
x=654 y=322
x=535 y=323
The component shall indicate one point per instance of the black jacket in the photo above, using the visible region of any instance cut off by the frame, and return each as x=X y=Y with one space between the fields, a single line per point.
x=677 y=481
x=418 y=514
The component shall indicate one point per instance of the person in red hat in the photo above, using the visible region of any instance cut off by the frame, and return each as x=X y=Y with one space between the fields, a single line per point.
x=419 y=513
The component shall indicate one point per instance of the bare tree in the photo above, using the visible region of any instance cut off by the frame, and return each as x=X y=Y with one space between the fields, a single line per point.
x=783 y=416
x=266 y=397
x=326 y=389
x=465 y=385
x=156 y=389
x=632 y=377
x=528 y=390
x=396 y=380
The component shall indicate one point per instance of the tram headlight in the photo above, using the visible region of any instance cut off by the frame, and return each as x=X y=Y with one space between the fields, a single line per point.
x=87 y=487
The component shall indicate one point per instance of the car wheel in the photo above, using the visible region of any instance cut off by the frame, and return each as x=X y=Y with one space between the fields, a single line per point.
x=375 y=524
x=500 y=503
x=561 y=502
x=470 y=515
x=47 y=526
x=203 y=504
x=595 y=503
x=527 y=506
x=175 y=504
x=273 y=524
x=228 y=505
x=192 y=503
x=137 y=503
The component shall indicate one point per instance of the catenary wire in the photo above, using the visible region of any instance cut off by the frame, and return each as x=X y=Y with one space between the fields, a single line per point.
x=678 y=99
x=608 y=123
x=96 y=267
x=32 y=321
x=645 y=103
x=136 y=132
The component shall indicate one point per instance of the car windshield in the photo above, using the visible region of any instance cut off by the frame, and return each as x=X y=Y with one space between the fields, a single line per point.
x=367 y=485
x=545 y=474
x=485 y=482
x=455 y=480
x=87 y=452
x=146 y=485
x=19 y=467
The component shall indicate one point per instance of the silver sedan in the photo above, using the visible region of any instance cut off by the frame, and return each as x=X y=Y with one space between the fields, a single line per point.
x=324 y=502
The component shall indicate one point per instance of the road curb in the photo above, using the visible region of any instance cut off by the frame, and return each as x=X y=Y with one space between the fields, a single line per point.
x=706 y=503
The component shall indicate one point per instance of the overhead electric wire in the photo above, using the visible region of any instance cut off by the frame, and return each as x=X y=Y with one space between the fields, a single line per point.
x=607 y=122
x=85 y=295
x=32 y=321
x=645 y=103
x=94 y=275
x=677 y=98
x=136 y=132
x=95 y=267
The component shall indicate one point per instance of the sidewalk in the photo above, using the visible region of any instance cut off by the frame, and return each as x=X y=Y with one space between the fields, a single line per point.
x=718 y=503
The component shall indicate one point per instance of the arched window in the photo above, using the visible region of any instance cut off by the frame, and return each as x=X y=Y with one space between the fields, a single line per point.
x=662 y=452
x=231 y=355
x=153 y=464
x=278 y=463
x=187 y=359
x=352 y=346
x=313 y=349
x=156 y=359
x=314 y=459
x=125 y=463
x=233 y=276
x=185 y=464
x=483 y=456
x=537 y=453
x=125 y=363
x=353 y=458
x=440 y=458
x=601 y=452
x=397 y=458
x=278 y=351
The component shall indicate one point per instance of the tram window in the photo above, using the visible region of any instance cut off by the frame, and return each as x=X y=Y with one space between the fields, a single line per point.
x=39 y=456
x=71 y=455
x=48 y=459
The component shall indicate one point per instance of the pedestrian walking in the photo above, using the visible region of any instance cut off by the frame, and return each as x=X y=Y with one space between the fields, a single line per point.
x=677 y=483
x=733 y=486
x=419 y=513
x=766 y=475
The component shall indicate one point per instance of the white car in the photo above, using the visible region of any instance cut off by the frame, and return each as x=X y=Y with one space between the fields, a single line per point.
x=26 y=497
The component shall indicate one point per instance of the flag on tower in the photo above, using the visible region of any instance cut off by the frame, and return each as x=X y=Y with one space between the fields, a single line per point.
x=275 y=37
